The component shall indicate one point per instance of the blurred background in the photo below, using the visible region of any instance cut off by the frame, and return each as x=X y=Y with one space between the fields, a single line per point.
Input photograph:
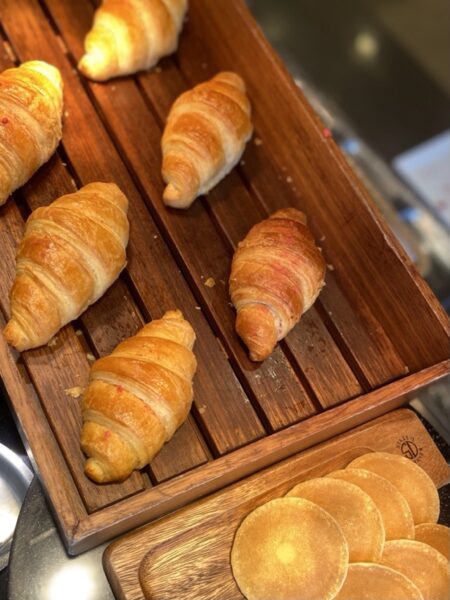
x=378 y=74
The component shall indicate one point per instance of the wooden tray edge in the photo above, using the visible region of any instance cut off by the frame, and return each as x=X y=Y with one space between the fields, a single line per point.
x=172 y=495
x=113 y=554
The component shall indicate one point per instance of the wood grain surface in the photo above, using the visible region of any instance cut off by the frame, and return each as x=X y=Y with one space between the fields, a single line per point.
x=186 y=555
x=376 y=334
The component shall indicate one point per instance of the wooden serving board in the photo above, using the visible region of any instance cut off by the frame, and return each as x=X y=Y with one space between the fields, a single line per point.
x=186 y=555
x=375 y=336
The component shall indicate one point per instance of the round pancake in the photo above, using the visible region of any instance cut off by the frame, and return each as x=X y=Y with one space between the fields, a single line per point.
x=424 y=565
x=395 y=512
x=287 y=549
x=412 y=481
x=437 y=536
x=367 y=581
x=353 y=509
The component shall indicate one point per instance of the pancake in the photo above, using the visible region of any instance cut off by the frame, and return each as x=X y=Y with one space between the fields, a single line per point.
x=395 y=512
x=353 y=509
x=412 y=481
x=287 y=549
x=424 y=565
x=368 y=581
x=437 y=536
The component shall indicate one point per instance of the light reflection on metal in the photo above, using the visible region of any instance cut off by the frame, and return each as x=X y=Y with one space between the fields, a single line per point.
x=72 y=582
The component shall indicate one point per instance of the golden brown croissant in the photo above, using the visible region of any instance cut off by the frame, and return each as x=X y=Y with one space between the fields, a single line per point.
x=137 y=397
x=31 y=103
x=71 y=252
x=276 y=274
x=131 y=35
x=205 y=136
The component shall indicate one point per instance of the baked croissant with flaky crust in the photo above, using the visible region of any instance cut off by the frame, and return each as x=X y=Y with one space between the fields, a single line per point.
x=71 y=252
x=131 y=35
x=276 y=275
x=205 y=136
x=31 y=104
x=137 y=397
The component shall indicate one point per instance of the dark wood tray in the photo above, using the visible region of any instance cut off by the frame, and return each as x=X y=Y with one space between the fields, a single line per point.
x=376 y=334
x=187 y=554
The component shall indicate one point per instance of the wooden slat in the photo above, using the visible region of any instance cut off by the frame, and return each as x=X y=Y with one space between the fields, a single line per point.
x=275 y=188
x=328 y=374
x=236 y=211
x=54 y=370
x=110 y=320
x=328 y=189
x=370 y=348
x=139 y=136
x=46 y=458
x=151 y=267
x=40 y=190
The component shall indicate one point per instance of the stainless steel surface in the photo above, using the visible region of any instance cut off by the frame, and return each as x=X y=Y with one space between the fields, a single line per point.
x=39 y=567
x=15 y=478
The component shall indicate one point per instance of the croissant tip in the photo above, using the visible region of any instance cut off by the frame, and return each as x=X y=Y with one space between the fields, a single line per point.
x=91 y=67
x=173 y=197
x=256 y=327
x=95 y=471
x=15 y=337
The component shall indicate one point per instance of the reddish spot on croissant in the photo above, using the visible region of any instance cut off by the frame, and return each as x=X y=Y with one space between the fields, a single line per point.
x=107 y=435
x=327 y=132
x=120 y=389
x=5 y=120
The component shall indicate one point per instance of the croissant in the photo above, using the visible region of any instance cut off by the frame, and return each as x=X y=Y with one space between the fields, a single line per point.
x=277 y=273
x=129 y=35
x=137 y=397
x=71 y=252
x=31 y=103
x=204 y=138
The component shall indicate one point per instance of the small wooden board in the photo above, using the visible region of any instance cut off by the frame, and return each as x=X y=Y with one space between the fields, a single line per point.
x=375 y=336
x=186 y=555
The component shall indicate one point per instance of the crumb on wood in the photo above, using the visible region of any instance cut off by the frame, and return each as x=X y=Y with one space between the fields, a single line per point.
x=289 y=179
x=210 y=282
x=198 y=308
x=155 y=237
x=74 y=392
x=330 y=267
x=322 y=238
x=52 y=342
x=78 y=332
x=66 y=114
x=202 y=409
x=242 y=163
x=90 y=356
x=258 y=141
x=158 y=69
x=113 y=88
